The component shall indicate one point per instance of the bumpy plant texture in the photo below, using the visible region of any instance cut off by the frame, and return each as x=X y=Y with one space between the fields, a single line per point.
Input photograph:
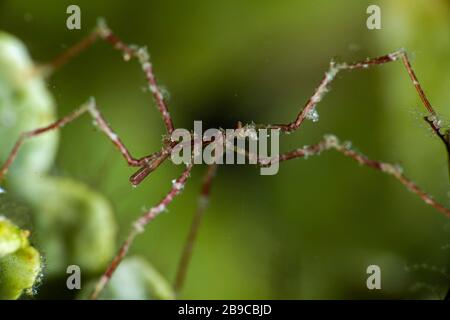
x=20 y=263
x=75 y=221
x=76 y=224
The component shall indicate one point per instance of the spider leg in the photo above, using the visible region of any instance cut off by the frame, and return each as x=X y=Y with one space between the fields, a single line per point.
x=195 y=225
x=331 y=142
x=36 y=132
x=335 y=68
x=140 y=53
x=138 y=227
x=92 y=109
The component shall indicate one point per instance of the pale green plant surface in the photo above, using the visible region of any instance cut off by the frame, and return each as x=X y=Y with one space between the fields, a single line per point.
x=134 y=279
x=75 y=225
x=20 y=263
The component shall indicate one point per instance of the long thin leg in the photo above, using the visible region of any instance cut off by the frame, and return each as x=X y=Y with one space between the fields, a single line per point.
x=335 y=68
x=331 y=142
x=106 y=128
x=98 y=118
x=70 y=53
x=138 y=227
x=33 y=133
x=140 y=53
x=193 y=231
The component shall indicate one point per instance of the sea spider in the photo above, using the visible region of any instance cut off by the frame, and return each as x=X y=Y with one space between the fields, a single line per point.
x=149 y=163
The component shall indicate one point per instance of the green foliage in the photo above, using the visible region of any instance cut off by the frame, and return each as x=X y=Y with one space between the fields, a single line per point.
x=74 y=224
x=11 y=237
x=25 y=104
x=20 y=263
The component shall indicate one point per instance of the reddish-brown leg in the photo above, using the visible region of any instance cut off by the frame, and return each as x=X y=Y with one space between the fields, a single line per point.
x=138 y=227
x=193 y=231
x=89 y=107
x=335 y=68
x=140 y=53
x=331 y=142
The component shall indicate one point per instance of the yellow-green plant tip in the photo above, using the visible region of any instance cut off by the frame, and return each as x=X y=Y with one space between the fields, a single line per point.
x=74 y=209
x=12 y=237
x=19 y=268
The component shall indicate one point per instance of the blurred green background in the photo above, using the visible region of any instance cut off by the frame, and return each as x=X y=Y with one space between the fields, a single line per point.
x=310 y=231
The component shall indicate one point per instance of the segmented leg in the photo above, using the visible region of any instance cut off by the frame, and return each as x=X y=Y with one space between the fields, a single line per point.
x=140 y=53
x=33 y=133
x=331 y=142
x=138 y=227
x=335 y=68
x=92 y=109
x=193 y=231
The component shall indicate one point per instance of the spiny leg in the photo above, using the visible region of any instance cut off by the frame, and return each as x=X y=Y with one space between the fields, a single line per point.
x=331 y=142
x=193 y=231
x=138 y=227
x=335 y=68
x=89 y=107
x=36 y=132
x=140 y=53
x=106 y=128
